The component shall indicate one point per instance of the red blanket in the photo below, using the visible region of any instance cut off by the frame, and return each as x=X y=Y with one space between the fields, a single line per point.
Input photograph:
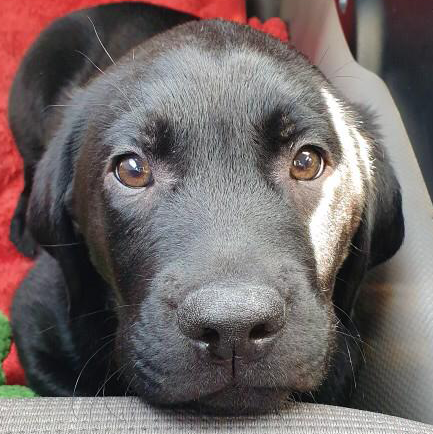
x=22 y=20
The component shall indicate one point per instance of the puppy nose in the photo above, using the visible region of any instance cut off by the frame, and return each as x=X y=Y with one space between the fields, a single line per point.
x=232 y=320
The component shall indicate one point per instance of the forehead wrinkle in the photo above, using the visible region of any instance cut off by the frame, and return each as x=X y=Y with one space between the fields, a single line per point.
x=212 y=104
x=238 y=80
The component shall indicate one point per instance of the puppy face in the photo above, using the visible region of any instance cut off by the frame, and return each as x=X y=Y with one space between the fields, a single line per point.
x=218 y=181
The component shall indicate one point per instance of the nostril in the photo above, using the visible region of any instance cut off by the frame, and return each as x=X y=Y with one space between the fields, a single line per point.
x=210 y=336
x=260 y=331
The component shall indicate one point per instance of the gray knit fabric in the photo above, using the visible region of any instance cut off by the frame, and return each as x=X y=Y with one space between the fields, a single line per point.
x=130 y=416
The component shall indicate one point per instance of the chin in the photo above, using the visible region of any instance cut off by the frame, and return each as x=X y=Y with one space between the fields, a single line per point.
x=237 y=400
x=232 y=400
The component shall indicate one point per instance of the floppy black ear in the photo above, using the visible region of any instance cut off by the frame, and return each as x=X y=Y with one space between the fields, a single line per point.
x=379 y=236
x=387 y=222
x=48 y=214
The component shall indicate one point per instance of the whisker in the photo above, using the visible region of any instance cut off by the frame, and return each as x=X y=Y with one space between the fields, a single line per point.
x=121 y=369
x=323 y=56
x=99 y=40
x=351 y=364
x=347 y=316
x=312 y=396
x=134 y=66
x=341 y=67
x=348 y=76
x=360 y=343
x=107 y=81
x=61 y=245
x=103 y=386
x=85 y=366
x=91 y=61
x=59 y=105
x=144 y=277
x=85 y=315
x=127 y=388
x=77 y=105
x=131 y=381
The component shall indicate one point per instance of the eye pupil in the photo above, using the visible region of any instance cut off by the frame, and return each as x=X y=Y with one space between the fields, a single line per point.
x=132 y=166
x=133 y=171
x=307 y=165
x=303 y=161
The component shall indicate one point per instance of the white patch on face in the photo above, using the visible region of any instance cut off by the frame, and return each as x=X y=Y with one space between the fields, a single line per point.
x=332 y=222
x=365 y=153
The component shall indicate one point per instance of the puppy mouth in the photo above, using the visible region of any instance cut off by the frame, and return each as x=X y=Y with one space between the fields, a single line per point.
x=235 y=399
x=225 y=394
x=237 y=360
x=231 y=398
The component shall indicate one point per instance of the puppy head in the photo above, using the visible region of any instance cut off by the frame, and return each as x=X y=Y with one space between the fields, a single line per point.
x=218 y=182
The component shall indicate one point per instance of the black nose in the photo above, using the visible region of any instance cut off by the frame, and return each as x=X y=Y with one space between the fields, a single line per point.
x=232 y=320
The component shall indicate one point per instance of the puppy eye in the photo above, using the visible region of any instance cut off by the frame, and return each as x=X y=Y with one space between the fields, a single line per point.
x=133 y=171
x=308 y=164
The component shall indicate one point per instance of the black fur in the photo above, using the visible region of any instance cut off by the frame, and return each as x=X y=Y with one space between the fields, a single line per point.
x=217 y=109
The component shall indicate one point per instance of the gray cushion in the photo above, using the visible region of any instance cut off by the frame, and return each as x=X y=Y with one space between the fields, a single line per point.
x=129 y=415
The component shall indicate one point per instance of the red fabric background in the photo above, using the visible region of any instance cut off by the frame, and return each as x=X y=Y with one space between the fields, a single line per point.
x=22 y=20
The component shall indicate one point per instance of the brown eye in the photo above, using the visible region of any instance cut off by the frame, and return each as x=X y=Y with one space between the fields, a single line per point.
x=308 y=164
x=133 y=171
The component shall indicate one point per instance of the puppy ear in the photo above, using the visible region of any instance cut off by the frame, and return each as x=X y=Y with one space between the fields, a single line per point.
x=386 y=215
x=48 y=213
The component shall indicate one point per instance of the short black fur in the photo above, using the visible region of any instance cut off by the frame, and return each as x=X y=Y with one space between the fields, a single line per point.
x=216 y=109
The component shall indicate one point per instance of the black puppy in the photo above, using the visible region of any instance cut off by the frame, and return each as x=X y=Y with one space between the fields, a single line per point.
x=205 y=205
